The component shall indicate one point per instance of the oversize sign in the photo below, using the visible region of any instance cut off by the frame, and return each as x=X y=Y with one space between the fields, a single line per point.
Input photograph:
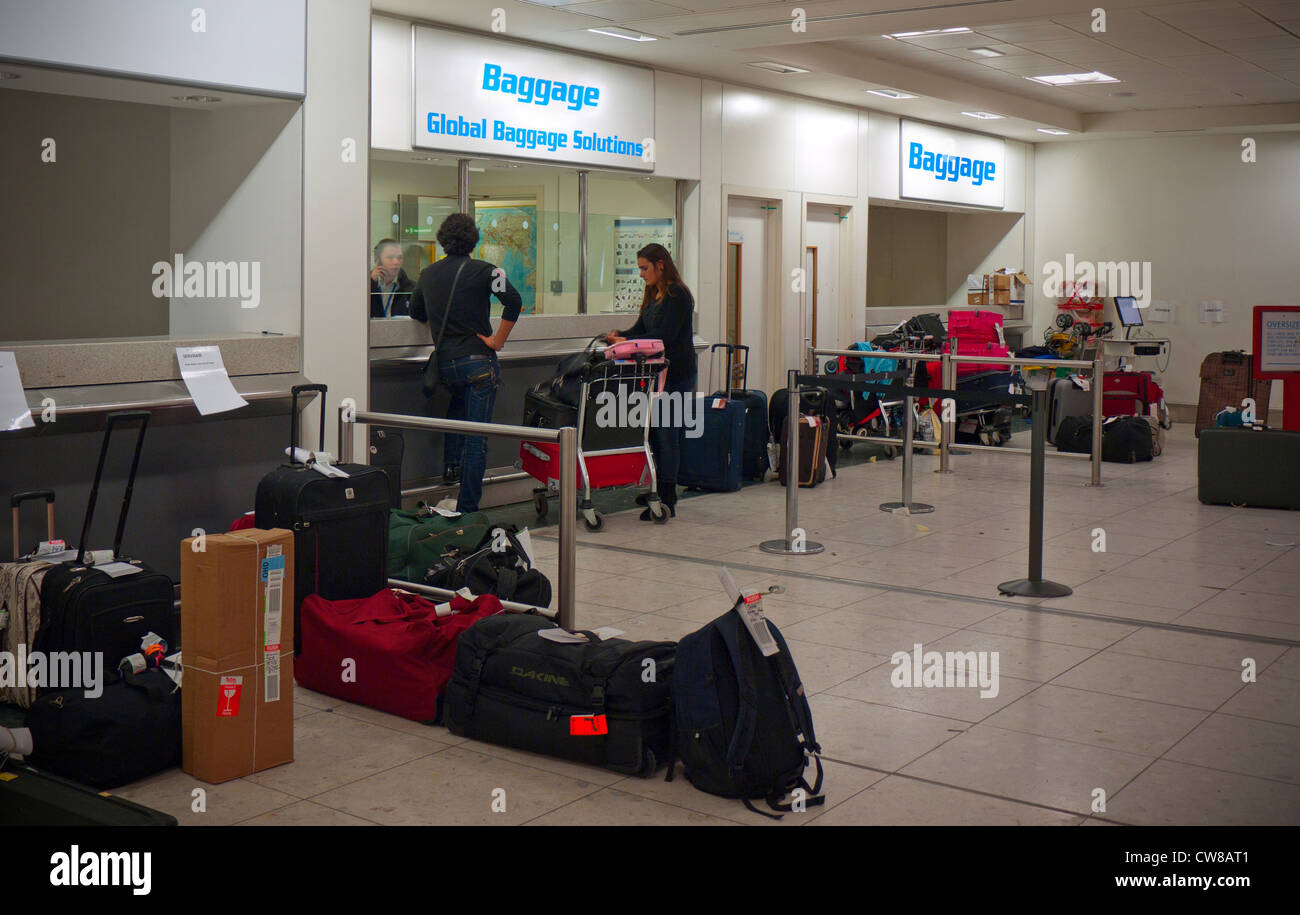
x=936 y=163
x=487 y=97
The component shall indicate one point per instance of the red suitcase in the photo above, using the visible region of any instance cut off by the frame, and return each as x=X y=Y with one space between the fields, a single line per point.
x=975 y=326
x=978 y=348
x=401 y=652
x=1131 y=394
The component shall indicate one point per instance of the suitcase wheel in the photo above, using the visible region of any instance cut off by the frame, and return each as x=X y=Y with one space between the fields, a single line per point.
x=659 y=512
x=541 y=503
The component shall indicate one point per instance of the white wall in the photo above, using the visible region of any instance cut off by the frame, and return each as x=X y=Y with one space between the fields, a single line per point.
x=245 y=44
x=1212 y=227
x=336 y=204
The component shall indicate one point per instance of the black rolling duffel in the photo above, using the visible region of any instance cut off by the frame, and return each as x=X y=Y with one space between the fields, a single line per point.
x=603 y=702
x=339 y=524
x=108 y=608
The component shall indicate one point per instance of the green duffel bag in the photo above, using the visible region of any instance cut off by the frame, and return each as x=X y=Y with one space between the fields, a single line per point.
x=417 y=539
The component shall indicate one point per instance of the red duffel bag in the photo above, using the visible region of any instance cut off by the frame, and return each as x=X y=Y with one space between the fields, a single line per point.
x=390 y=651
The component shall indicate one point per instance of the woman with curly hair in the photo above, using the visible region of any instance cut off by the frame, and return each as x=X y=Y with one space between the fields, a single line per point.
x=456 y=290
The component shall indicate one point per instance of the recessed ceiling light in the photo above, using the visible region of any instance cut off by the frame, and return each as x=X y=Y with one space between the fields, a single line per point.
x=774 y=67
x=952 y=31
x=985 y=52
x=890 y=93
x=1055 y=133
x=615 y=32
x=5 y=74
x=982 y=115
x=1071 y=79
x=201 y=99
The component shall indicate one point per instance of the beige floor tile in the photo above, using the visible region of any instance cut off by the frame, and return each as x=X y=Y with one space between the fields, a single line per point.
x=230 y=802
x=1025 y=767
x=997 y=571
x=864 y=631
x=1268 y=581
x=1247 y=627
x=1287 y=666
x=1132 y=588
x=1179 y=571
x=1051 y=627
x=656 y=627
x=953 y=613
x=1022 y=658
x=456 y=787
x=1118 y=541
x=1206 y=650
x=1200 y=551
x=306 y=813
x=1246 y=746
x=374 y=716
x=875 y=735
x=823 y=666
x=1098 y=719
x=582 y=772
x=901 y=801
x=640 y=595
x=310 y=699
x=331 y=750
x=824 y=594
x=1176 y=794
x=964 y=703
x=1154 y=680
x=611 y=807
x=1272 y=697
x=593 y=616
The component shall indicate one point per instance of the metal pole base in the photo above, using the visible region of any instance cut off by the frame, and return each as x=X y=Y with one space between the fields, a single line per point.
x=1024 y=587
x=943 y=471
x=913 y=508
x=783 y=547
x=1098 y=485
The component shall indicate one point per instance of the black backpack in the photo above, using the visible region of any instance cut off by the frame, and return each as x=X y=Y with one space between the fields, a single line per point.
x=566 y=384
x=744 y=728
x=506 y=573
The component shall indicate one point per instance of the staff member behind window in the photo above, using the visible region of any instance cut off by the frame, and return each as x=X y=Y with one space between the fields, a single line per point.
x=390 y=287
x=467 y=358
x=666 y=310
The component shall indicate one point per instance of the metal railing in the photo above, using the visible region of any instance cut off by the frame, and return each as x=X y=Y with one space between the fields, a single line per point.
x=567 y=437
x=949 y=382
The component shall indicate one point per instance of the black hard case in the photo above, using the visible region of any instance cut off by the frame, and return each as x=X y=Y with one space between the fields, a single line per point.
x=30 y=797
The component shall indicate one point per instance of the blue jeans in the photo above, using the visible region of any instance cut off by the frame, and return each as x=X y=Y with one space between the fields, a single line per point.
x=666 y=443
x=472 y=382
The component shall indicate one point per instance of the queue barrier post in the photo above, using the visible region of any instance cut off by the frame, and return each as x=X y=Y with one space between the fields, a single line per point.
x=792 y=544
x=912 y=508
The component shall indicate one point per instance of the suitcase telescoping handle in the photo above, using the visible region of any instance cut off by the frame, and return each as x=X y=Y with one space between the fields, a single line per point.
x=732 y=349
x=293 y=417
x=19 y=498
x=124 y=416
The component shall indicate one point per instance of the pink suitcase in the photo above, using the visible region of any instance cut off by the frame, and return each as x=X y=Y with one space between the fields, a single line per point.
x=966 y=347
x=628 y=349
x=975 y=326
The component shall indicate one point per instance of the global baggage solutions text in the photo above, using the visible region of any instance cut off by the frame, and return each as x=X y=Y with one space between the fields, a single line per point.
x=530 y=138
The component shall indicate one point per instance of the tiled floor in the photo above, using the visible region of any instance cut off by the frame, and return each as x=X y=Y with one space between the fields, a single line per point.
x=1125 y=702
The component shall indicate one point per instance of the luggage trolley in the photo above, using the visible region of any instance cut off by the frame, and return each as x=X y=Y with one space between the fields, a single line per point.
x=608 y=456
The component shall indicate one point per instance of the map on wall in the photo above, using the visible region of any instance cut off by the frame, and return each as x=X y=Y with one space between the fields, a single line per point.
x=508 y=238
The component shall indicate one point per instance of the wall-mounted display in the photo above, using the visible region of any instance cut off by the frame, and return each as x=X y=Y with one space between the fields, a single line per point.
x=630 y=236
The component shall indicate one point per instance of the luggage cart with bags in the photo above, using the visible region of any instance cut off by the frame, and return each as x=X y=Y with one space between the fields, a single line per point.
x=609 y=455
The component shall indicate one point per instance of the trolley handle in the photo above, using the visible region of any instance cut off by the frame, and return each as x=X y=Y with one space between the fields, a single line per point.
x=19 y=498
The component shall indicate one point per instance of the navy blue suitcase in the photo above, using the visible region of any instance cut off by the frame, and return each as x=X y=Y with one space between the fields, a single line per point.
x=719 y=458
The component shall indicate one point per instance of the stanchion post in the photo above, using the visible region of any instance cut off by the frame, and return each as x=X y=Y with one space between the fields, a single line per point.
x=1034 y=586
x=913 y=508
x=788 y=545
x=345 y=437
x=568 y=523
x=948 y=382
x=1098 y=414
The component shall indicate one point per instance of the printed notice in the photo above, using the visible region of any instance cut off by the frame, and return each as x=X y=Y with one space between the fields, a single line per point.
x=14 y=412
x=1279 y=341
x=205 y=376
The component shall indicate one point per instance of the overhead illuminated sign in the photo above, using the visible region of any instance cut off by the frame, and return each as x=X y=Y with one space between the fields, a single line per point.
x=952 y=166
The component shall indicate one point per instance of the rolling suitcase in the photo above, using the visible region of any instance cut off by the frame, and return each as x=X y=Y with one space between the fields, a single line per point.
x=20 y=595
x=1131 y=394
x=814 y=437
x=753 y=462
x=1227 y=379
x=108 y=607
x=339 y=524
x=1254 y=467
x=387 y=447
x=605 y=702
x=1065 y=398
x=401 y=646
x=30 y=797
x=813 y=401
x=543 y=411
x=716 y=459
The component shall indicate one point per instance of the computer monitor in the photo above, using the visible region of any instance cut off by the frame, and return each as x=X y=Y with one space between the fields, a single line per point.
x=1129 y=313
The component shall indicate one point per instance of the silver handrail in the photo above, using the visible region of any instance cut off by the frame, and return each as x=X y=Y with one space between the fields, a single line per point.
x=567 y=437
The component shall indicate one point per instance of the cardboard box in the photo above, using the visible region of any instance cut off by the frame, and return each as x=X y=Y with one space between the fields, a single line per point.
x=977 y=298
x=1000 y=297
x=237 y=653
x=1000 y=281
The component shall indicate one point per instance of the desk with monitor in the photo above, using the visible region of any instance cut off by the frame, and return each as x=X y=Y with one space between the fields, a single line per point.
x=1129 y=348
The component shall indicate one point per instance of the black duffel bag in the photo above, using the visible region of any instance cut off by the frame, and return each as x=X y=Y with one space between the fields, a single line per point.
x=566 y=384
x=131 y=730
x=498 y=566
x=602 y=702
x=1124 y=439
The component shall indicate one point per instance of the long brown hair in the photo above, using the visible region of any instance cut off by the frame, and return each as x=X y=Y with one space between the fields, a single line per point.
x=668 y=276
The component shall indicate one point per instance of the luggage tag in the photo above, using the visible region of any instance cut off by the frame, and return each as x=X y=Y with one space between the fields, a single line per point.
x=45 y=547
x=563 y=636
x=588 y=726
x=118 y=569
x=749 y=604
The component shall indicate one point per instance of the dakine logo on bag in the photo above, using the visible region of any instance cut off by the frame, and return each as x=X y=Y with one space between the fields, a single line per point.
x=539 y=677
x=56 y=670
x=103 y=868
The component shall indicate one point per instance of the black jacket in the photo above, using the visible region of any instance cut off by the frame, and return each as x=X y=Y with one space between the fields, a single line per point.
x=471 y=309
x=401 y=299
x=669 y=319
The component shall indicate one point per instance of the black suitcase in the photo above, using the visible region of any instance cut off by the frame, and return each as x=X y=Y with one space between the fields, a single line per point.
x=595 y=702
x=30 y=797
x=543 y=411
x=387 y=447
x=129 y=732
x=1254 y=467
x=339 y=524
x=84 y=608
x=1124 y=439
x=753 y=462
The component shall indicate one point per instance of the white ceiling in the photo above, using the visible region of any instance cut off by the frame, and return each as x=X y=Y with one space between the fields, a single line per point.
x=1193 y=65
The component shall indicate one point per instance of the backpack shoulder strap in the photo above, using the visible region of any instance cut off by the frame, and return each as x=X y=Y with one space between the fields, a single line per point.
x=729 y=628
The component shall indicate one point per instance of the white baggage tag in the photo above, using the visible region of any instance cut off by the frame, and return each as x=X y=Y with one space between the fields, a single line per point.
x=466 y=593
x=563 y=636
x=526 y=541
x=119 y=569
x=446 y=513
x=751 y=611
x=719 y=403
x=51 y=546
x=607 y=632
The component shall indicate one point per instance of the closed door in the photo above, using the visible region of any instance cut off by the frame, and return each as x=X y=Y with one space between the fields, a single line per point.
x=747 y=233
x=823 y=238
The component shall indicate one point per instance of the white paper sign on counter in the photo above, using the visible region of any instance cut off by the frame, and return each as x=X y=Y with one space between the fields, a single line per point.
x=205 y=376
x=14 y=412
